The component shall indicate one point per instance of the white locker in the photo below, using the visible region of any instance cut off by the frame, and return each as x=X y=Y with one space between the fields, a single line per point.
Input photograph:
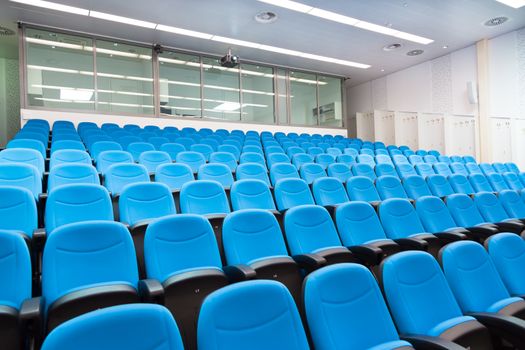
x=384 y=127
x=518 y=142
x=365 y=126
x=431 y=129
x=406 y=129
x=500 y=134
x=460 y=135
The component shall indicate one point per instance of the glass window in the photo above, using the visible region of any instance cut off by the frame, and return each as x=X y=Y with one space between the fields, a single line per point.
x=180 y=84
x=59 y=70
x=282 y=100
x=257 y=94
x=330 y=101
x=221 y=91
x=303 y=91
x=124 y=78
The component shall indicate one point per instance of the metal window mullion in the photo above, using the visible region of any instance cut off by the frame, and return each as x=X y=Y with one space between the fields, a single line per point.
x=22 y=70
x=202 y=86
x=317 y=100
x=276 y=109
x=288 y=98
x=95 y=79
x=156 y=82
x=240 y=93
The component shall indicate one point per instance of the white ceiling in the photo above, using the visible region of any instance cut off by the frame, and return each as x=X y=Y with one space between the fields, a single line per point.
x=455 y=23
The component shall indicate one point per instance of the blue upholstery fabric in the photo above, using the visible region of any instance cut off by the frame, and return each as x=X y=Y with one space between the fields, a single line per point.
x=442 y=169
x=251 y=194
x=424 y=169
x=479 y=183
x=497 y=182
x=463 y=210
x=225 y=158
x=329 y=191
x=511 y=201
x=439 y=186
x=363 y=169
x=217 y=172
x=25 y=156
x=101 y=146
x=507 y=251
x=145 y=201
x=252 y=171
x=203 y=197
x=15 y=268
x=193 y=159
x=118 y=176
x=291 y=192
x=152 y=159
x=358 y=223
x=361 y=188
x=21 y=175
x=434 y=214
x=174 y=175
x=28 y=143
x=109 y=158
x=283 y=171
x=390 y=187
x=416 y=187
x=460 y=184
x=399 y=218
x=490 y=207
x=72 y=173
x=69 y=156
x=340 y=171
x=311 y=171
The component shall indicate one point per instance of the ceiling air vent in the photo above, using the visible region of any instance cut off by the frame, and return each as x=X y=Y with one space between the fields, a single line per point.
x=266 y=17
x=415 y=52
x=496 y=21
x=6 y=31
x=392 y=47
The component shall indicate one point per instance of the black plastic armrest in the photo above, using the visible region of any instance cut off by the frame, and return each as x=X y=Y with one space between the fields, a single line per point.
x=484 y=231
x=369 y=254
x=140 y=223
x=42 y=197
x=425 y=342
x=237 y=273
x=509 y=327
x=39 y=239
x=412 y=243
x=450 y=236
x=215 y=216
x=32 y=318
x=151 y=291
x=375 y=204
x=309 y=262
x=511 y=226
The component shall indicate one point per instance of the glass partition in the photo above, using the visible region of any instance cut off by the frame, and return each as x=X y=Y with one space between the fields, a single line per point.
x=257 y=94
x=330 y=101
x=303 y=91
x=221 y=91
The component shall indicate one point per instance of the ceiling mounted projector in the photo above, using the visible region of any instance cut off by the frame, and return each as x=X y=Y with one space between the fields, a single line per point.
x=229 y=60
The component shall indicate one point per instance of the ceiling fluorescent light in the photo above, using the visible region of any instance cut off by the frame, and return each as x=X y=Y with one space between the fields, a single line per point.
x=513 y=3
x=54 y=43
x=292 y=5
x=332 y=16
x=228 y=106
x=120 y=19
x=54 y=6
x=186 y=32
x=223 y=39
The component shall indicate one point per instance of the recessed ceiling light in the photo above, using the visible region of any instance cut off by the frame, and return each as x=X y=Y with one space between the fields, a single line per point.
x=415 y=52
x=496 y=21
x=392 y=47
x=513 y=3
x=382 y=70
x=266 y=17
x=54 y=6
x=355 y=22
x=445 y=46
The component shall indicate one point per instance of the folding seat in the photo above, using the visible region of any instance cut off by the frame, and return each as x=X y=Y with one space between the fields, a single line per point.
x=93 y=138
x=251 y=194
x=381 y=151
x=273 y=149
x=324 y=145
x=421 y=153
x=507 y=252
x=109 y=158
x=473 y=168
x=436 y=218
x=136 y=148
x=125 y=141
x=486 y=168
x=24 y=156
x=146 y=135
x=351 y=151
x=283 y=171
x=329 y=191
x=513 y=181
x=339 y=171
x=499 y=168
x=101 y=146
x=390 y=187
x=383 y=159
x=216 y=171
x=172 y=149
x=439 y=185
x=466 y=214
x=458 y=168
x=512 y=203
x=361 y=188
x=415 y=159
x=311 y=171
x=456 y=159
x=513 y=168
x=493 y=211
x=253 y=238
x=405 y=170
x=399 y=159
x=424 y=169
x=67 y=145
x=152 y=159
x=366 y=159
x=214 y=144
x=480 y=292
x=366 y=152
x=416 y=187
x=333 y=151
x=480 y=183
x=497 y=182
x=21 y=175
x=66 y=136
x=18 y=213
x=224 y=132
x=28 y=143
x=276 y=158
x=205 y=150
x=233 y=141
x=76 y=203
x=131 y=127
x=230 y=149
x=335 y=292
x=364 y=170
x=174 y=175
x=442 y=169
x=158 y=141
x=32 y=134
x=291 y=192
x=118 y=176
x=430 y=159
x=395 y=152
x=66 y=174
x=444 y=159
x=98 y=270
x=227 y=159
x=422 y=304
x=324 y=160
x=309 y=230
x=401 y=148
x=252 y=148
x=469 y=159
x=460 y=184
x=193 y=159
x=345 y=159
x=252 y=171
x=294 y=150
x=301 y=158
x=385 y=169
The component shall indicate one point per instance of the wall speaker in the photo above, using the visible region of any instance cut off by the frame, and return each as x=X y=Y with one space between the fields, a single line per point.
x=472 y=92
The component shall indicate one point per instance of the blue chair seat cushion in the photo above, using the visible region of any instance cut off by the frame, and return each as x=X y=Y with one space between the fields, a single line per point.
x=442 y=327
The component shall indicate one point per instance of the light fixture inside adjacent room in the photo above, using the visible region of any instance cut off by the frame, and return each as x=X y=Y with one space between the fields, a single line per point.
x=77 y=95
x=228 y=106
x=513 y=3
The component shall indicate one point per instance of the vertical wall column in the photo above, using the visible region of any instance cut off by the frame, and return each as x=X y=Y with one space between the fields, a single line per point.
x=484 y=139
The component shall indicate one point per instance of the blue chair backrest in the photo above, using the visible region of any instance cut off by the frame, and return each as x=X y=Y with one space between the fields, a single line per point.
x=383 y=159
x=458 y=168
x=118 y=176
x=460 y=184
x=311 y=171
x=473 y=168
x=230 y=149
x=463 y=210
x=434 y=214
x=324 y=159
x=513 y=181
x=512 y=167
x=203 y=149
x=101 y=146
x=252 y=171
x=479 y=183
x=283 y=171
x=152 y=159
x=174 y=175
x=67 y=145
x=172 y=149
x=15 y=270
x=18 y=212
x=499 y=167
x=203 y=197
x=66 y=174
x=301 y=158
x=486 y=168
x=405 y=170
x=136 y=148
x=329 y=191
x=259 y=315
x=21 y=175
x=69 y=156
x=442 y=169
x=430 y=159
x=345 y=159
x=399 y=218
x=390 y=187
x=497 y=182
x=424 y=169
x=385 y=169
x=193 y=159
x=366 y=159
x=469 y=159
x=490 y=207
x=361 y=188
x=507 y=251
x=512 y=203
x=416 y=187
x=332 y=294
x=340 y=171
x=225 y=158
x=415 y=159
x=358 y=223
x=361 y=169
x=292 y=192
x=251 y=194
x=28 y=143
x=145 y=201
x=25 y=156
x=109 y=158
x=399 y=159
x=439 y=186
x=216 y=171
x=252 y=157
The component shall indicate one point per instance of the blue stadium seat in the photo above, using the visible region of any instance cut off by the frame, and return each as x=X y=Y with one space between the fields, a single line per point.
x=205 y=197
x=253 y=149
x=366 y=170
x=252 y=157
x=499 y=167
x=324 y=160
x=69 y=156
x=101 y=146
x=430 y=159
x=424 y=169
x=277 y=158
x=334 y=293
x=435 y=217
x=25 y=156
x=252 y=171
x=301 y=158
x=174 y=175
x=193 y=159
x=21 y=175
x=492 y=211
x=125 y=141
x=513 y=181
x=109 y=158
x=283 y=171
x=399 y=159
x=507 y=252
x=158 y=141
x=442 y=169
x=390 y=187
x=345 y=159
x=225 y=158
x=118 y=176
x=99 y=269
x=460 y=184
x=422 y=303
x=479 y=183
x=67 y=144
x=136 y=148
x=203 y=149
x=251 y=194
x=329 y=191
x=473 y=168
x=333 y=151
x=291 y=192
x=383 y=159
x=469 y=159
x=309 y=229
x=311 y=171
x=351 y=151
x=181 y=252
x=439 y=186
x=66 y=174
x=214 y=144
x=230 y=149
x=385 y=169
x=405 y=170
x=512 y=167
x=458 y=168
x=216 y=171
x=152 y=159
x=293 y=150
x=361 y=188
x=457 y=159
x=252 y=309
x=486 y=168
x=366 y=159
x=28 y=143
x=415 y=159
x=513 y=204
x=340 y=171
x=253 y=237
x=497 y=182
x=18 y=212
x=416 y=187
x=466 y=214
x=172 y=149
